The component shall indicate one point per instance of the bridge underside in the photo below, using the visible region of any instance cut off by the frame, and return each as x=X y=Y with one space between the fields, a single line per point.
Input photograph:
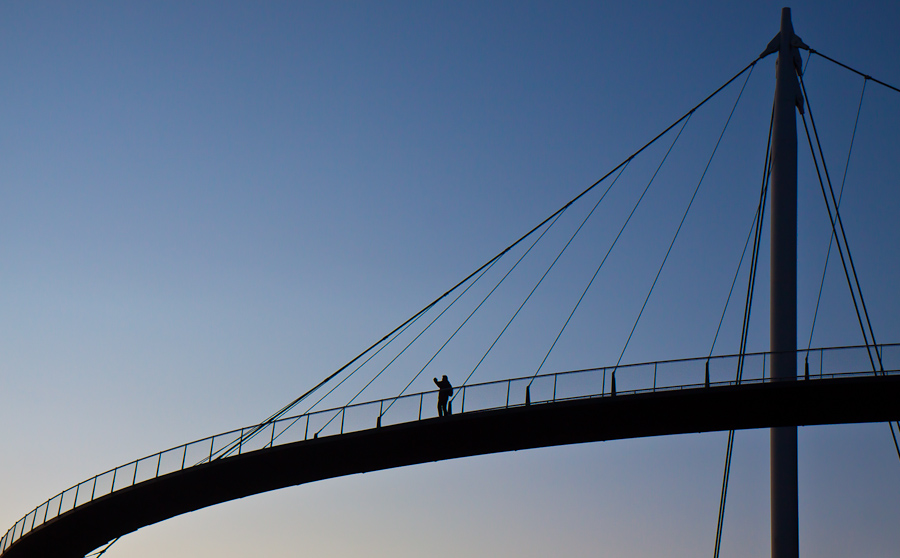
x=851 y=400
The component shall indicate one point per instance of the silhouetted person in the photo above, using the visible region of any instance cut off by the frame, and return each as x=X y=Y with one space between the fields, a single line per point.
x=445 y=391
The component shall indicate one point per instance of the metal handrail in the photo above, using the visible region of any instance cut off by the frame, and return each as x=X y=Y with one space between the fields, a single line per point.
x=234 y=441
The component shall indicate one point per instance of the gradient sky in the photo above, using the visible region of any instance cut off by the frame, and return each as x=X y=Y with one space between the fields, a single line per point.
x=205 y=208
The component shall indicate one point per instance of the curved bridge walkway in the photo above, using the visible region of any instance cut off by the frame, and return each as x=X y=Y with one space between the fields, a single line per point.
x=649 y=399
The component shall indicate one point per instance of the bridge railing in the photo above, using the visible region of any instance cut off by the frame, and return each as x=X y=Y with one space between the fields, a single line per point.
x=623 y=380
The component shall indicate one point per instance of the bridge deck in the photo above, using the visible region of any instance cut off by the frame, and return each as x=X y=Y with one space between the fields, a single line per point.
x=829 y=401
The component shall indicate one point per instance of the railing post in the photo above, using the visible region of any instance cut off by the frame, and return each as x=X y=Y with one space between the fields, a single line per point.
x=134 y=478
x=462 y=407
x=241 y=442
x=603 y=385
x=421 y=396
x=306 y=432
x=654 y=375
x=112 y=487
x=555 y=376
x=343 y=414
x=212 y=442
x=508 y=385
x=75 y=500
x=272 y=441
x=184 y=457
x=158 y=463
x=380 y=412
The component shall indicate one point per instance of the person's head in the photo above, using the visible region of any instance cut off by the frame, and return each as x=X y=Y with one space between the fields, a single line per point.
x=445 y=377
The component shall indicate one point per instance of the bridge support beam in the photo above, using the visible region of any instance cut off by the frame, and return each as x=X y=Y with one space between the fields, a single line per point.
x=662 y=413
x=783 y=283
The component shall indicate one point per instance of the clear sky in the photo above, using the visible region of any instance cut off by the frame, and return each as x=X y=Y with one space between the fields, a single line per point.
x=205 y=208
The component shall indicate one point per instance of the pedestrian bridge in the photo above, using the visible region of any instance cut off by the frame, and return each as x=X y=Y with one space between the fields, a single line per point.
x=836 y=385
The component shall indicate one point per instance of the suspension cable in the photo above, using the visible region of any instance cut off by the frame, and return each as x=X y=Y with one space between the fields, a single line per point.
x=684 y=217
x=416 y=338
x=840 y=222
x=103 y=550
x=754 y=262
x=753 y=227
x=235 y=445
x=806 y=65
x=284 y=410
x=837 y=218
x=894 y=436
x=609 y=251
x=855 y=71
x=734 y=281
x=840 y=251
x=522 y=257
x=835 y=224
x=538 y=284
x=725 y=476
x=296 y=401
x=748 y=304
x=373 y=355
x=831 y=237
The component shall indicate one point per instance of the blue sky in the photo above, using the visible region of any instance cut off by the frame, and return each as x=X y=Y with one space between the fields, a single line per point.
x=206 y=208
